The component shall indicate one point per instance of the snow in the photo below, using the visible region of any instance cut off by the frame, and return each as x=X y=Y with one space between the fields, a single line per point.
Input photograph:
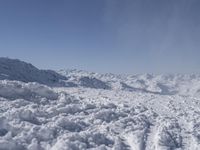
x=99 y=111
x=14 y=69
x=31 y=91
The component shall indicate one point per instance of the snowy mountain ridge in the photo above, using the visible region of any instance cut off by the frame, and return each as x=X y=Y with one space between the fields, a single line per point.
x=14 y=69
x=169 y=84
x=164 y=84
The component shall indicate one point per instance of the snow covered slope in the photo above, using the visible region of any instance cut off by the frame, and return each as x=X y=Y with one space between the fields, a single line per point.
x=166 y=84
x=13 y=69
x=98 y=111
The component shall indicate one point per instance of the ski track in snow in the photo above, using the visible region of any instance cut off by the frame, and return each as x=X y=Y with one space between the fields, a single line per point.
x=114 y=116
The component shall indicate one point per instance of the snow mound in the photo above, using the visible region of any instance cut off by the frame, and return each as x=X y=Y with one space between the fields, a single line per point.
x=30 y=91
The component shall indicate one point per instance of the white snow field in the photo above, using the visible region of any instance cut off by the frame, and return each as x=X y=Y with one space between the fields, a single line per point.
x=78 y=110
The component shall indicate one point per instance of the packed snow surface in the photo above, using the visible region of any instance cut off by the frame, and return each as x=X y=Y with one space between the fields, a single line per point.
x=101 y=112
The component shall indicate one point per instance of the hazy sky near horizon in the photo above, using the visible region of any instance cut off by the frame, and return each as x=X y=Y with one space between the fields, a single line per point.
x=118 y=36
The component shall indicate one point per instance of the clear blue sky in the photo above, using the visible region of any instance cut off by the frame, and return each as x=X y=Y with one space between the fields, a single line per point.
x=118 y=36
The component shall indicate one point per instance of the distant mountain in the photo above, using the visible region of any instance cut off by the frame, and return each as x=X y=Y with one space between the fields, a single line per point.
x=91 y=82
x=84 y=79
x=14 y=69
x=167 y=84
x=161 y=84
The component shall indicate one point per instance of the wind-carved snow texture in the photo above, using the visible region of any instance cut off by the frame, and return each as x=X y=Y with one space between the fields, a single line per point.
x=168 y=135
x=61 y=121
x=100 y=112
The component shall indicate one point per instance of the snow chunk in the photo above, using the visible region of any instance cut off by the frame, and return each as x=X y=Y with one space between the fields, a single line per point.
x=10 y=145
x=168 y=136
